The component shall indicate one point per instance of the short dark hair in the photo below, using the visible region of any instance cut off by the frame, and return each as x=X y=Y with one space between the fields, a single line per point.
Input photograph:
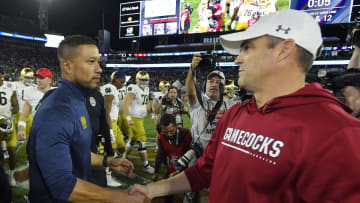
x=72 y=42
x=305 y=59
x=167 y=119
x=173 y=87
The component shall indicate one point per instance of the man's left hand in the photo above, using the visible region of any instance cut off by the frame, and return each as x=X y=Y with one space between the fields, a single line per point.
x=122 y=165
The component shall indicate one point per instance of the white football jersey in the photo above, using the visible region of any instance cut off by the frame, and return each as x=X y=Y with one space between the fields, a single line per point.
x=138 y=105
x=32 y=95
x=246 y=12
x=110 y=90
x=6 y=91
x=158 y=95
x=122 y=93
x=20 y=87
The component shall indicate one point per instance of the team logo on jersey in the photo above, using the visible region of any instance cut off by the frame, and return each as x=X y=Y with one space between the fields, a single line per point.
x=9 y=85
x=92 y=101
x=83 y=122
x=286 y=31
x=108 y=90
x=129 y=89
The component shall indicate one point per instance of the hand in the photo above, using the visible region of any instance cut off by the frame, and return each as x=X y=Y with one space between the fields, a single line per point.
x=155 y=177
x=112 y=137
x=140 y=189
x=131 y=122
x=122 y=165
x=153 y=118
x=195 y=61
x=21 y=135
x=120 y=196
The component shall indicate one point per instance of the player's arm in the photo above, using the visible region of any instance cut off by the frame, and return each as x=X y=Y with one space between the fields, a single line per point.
x=129 y=97
x=22 y=120
x=155 y=104
x=190 y=86
x=158 y=107
x=173 y=185
x=183 y=19
x=108 y=103
x=88 y=192
x=14 y=103
x=148 y=107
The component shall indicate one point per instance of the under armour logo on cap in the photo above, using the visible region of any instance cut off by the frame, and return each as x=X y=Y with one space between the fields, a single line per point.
x=286 y=31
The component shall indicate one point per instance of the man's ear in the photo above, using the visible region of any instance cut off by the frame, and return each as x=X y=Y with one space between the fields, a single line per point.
x=66 y=66
x=286 y=48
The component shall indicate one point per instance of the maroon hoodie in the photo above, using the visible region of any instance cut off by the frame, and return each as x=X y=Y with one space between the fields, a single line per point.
x=302 y=147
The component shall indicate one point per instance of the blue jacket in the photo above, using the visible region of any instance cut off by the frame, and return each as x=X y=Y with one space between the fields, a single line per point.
x=59 y=144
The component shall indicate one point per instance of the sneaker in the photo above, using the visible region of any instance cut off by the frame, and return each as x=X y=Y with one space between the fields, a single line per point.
x=149 y=169
x=110 y=181
x=12 y=180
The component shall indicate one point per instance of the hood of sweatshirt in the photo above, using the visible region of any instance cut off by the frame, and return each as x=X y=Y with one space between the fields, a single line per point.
x=310 y=94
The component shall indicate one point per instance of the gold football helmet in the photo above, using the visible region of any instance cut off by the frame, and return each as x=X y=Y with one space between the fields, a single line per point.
x=164 y=84
x=229 y=87
x=27 y=76
x=6 y=126
x=142 y=79
x=112 y=75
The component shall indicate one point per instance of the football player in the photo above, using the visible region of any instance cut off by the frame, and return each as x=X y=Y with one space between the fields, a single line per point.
x=164 y=87
x=136 y=107
x=26 y=80
x=111 y=98
x=9 y=105
x=110 y=92
x=31 y=97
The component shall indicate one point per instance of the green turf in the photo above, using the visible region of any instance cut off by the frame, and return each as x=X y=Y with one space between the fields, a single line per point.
x=282 y=4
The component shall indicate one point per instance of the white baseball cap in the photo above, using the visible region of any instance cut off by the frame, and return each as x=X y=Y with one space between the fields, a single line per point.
x=285 y=24
x=218 y=73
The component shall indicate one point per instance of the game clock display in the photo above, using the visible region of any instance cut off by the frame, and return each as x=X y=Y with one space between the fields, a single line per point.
x=325 y=11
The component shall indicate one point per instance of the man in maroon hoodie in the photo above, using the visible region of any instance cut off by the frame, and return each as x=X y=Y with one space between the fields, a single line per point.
x=291 y=142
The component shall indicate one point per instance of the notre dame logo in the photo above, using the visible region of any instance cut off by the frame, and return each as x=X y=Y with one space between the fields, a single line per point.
x=83 y=122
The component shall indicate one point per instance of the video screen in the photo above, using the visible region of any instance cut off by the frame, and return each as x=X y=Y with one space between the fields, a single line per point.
x=199 y=16
x=165 y=17
x=325 y=11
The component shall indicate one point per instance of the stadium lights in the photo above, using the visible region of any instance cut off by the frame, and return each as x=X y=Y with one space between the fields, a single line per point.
x=221 y=64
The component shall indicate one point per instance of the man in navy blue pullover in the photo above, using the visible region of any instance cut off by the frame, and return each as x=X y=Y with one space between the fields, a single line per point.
x=59 y=148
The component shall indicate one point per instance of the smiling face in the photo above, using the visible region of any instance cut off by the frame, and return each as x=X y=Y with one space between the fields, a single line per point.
x=83 y=67
x=255 y=63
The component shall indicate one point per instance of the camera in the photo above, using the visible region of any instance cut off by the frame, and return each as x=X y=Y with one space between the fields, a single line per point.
x=335 y=79
x=166 y=101
x=193 y=153
x=207 y=63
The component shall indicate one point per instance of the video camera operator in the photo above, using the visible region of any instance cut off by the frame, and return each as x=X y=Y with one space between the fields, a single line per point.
x=204 y=114
x=172 y=104
x=352 y=92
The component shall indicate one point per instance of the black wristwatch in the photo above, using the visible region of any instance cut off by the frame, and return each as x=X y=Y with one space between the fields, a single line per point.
x=105 y=161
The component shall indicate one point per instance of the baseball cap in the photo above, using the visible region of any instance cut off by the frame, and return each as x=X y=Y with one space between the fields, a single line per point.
x=216 y=72
x=43 y=72
x=285 y=24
